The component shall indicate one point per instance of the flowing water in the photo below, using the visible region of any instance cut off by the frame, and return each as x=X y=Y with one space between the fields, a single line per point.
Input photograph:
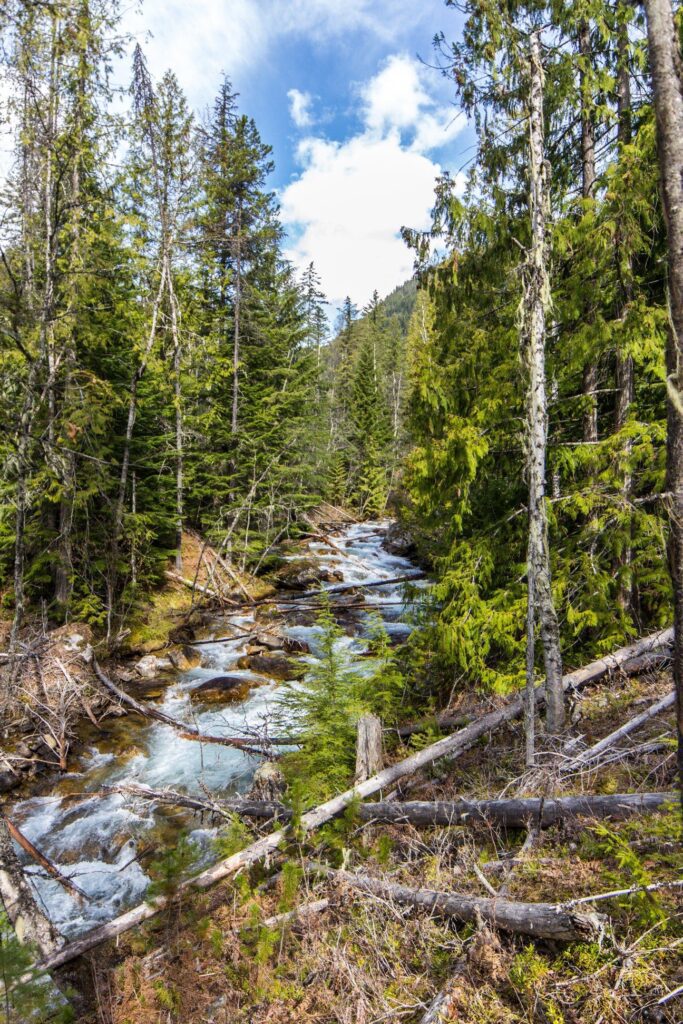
x=96 y=839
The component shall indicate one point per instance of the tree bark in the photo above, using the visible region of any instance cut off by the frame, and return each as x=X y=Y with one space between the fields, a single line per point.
x=541 y=812
x=588 y=178
x=539 y=920
x=667 y=77
x=624 y=362
x=369 y=747
x=536 y=292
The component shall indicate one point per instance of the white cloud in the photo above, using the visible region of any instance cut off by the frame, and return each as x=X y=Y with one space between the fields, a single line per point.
x=346 y=208
x=394 y=98
x=300 y=108
x=204 y=38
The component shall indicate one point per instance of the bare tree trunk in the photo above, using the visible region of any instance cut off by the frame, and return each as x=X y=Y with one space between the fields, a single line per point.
x=588 y=176
x=237 y=325
x=178 y=420
x=536 y=292
x=667 y=76
x=624 y=361
x=540 y=920
x=530 y=690
x=125 y=461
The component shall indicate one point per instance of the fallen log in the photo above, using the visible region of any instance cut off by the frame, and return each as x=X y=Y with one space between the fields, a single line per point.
x=443 y=721
x=47 y=865
x=512 y=813
x=517 y=812
x=449 y=746
x=539 y=920
x=177 y=578
x=585 y=758
x=244 y=807
x=292 y=916
x=339 y=588
x=186 y=731
x=31 y=925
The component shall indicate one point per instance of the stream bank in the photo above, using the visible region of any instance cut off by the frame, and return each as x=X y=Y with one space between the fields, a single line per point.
x=104 y=840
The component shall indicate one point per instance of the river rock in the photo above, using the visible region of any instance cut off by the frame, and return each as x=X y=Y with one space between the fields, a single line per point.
x=273 y=642
x=303 y=573
x=292 y=645
x=273 y=663
x=222 y=688
x=398 y=541
x=150 y=666
x=9 y=781
x=184 y=658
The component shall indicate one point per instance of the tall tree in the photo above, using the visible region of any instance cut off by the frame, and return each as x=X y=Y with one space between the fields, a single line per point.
x=667 y=77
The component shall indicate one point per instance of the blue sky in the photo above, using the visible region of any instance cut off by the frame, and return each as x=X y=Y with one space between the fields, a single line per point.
x=359 y=127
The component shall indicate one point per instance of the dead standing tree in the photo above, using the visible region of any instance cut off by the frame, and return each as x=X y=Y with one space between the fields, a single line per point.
x=533 y=338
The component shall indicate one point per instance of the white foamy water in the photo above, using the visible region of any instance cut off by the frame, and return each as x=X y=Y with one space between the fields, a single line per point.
x=95 y=839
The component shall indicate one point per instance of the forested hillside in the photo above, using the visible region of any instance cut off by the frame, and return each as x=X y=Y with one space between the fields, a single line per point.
x=341 y=660
x=159 y=366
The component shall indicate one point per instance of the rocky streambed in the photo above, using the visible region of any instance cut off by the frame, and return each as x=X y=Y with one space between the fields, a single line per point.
x=228 y=688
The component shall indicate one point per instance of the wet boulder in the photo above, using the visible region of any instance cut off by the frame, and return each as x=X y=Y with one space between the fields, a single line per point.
x=184 y=658
x=275 y=664
x=8 y=781
x=398 y=541
x=222 y=688
x=275 y=642
x=292 y=645
x=150 y=666
x=303 y=573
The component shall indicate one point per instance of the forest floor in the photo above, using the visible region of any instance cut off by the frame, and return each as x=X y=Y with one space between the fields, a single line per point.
x=365 y=960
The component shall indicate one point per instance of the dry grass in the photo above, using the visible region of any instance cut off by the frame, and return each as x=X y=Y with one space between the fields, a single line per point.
x=365 y=960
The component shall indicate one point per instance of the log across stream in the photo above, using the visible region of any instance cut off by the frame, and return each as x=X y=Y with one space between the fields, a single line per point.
x=97 y=841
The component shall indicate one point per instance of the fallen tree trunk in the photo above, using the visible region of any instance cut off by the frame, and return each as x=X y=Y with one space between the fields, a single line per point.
x=512 y=813
x=516 y=813
x=449 y=746
x=339 y=588
x=177 y=578
x=292 y=916
x=28 y=920
x=40 y=858
x=539 y=920
x=585 y=758
x=188 y=732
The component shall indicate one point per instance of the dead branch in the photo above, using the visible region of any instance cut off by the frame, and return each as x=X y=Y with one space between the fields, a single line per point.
x=186 y=731
x=586 y=757
x=40 y=858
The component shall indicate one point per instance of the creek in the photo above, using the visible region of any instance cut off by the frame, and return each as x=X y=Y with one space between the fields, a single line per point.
x=102 y=840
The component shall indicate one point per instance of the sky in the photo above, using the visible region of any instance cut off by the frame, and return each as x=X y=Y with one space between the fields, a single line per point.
x=359 y=124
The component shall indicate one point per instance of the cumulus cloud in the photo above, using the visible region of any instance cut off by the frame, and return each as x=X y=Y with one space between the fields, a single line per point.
x=204 y=38
x=346 y=207
x=300 y=108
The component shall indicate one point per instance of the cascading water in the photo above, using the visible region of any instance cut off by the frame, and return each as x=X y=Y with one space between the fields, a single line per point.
x=96 y=840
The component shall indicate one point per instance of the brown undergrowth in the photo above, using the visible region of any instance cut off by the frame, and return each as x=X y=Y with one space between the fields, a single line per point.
x=364 y=960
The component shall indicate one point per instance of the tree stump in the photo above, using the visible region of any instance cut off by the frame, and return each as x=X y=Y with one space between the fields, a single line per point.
x=368 y=747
